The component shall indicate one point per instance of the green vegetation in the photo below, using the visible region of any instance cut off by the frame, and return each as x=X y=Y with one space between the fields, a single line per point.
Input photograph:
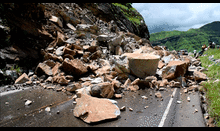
x=131 y=13
x=212 y=88
x=193 y=39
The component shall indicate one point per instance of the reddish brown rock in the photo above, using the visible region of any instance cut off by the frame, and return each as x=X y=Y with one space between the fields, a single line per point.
x=105 y=90
x=161 y=64
x=22 y=79
x=43 y=69
x=199 y=76
x=91 y=109
x=74 y=67
x=60 y=80
x=55 y=69
x=174 y=69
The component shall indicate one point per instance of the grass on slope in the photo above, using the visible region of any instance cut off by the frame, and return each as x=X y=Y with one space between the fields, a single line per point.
x=212 y=88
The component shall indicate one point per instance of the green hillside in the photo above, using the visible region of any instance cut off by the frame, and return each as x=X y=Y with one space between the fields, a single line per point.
x=190 y=40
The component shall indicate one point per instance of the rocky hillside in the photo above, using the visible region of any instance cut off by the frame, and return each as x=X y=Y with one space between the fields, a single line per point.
x=28 y=28
x=190 y=40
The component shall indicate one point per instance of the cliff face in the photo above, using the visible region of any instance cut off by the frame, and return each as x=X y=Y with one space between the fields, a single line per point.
x=126 y=18
x=27 y=28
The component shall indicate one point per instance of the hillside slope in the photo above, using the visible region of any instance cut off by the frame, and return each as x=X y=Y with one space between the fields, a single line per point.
x=191 y=40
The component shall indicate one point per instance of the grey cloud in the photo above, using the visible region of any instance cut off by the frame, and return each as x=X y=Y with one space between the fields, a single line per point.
x=177 y=16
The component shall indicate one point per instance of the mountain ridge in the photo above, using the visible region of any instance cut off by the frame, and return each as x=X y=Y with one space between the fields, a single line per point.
x=190 y=40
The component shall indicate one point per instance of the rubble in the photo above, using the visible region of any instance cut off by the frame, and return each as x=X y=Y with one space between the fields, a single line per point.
x=95 y=63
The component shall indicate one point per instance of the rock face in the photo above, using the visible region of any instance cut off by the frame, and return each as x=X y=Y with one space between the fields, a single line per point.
x=91 y=109
x=142 y=65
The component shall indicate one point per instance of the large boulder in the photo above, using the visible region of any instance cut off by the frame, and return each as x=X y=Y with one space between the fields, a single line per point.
x=91 y=109
x=142 y=64
x=174 y=69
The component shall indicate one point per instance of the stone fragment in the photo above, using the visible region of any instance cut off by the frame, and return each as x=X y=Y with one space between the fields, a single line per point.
x=174 y=69
x=160 y=64
x=27 y=103
x=158 y=95
x=105 y=90
x=60 y=80
x=123 y=108
x=43 y=69
x=130 y=109
x=59 y=51
x=56 y=20
x=47 y=109
x=118 y=96
x=22 y=79
x=91 y=109
x=142 y=65
x=74 y=67
x=199 y=76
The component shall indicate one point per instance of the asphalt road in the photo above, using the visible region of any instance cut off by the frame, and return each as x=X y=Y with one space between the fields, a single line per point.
x=15 y=113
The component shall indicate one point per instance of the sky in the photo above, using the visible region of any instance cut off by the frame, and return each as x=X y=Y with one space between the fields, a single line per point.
x=177 y=16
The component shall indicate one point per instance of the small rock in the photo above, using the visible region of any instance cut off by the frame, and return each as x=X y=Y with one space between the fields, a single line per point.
x=6 y=103
x=27 y=103
x=130 y=109
x=47 y=109
x=123 y=108
x=188 y=99
x=118 y=96
x=196 y=110
x=144 y=97
x=58 y=112
x=158 y=95
x=145 y=107
x=179 y=102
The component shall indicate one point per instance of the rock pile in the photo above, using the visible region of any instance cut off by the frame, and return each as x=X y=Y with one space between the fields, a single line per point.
x=92 y=60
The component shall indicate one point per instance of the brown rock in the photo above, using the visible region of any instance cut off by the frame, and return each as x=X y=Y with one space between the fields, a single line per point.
x=73 y=87
x=199 y=76
x=43 y=69
x=69 y=51
x=133 y=87
x=142 y=65
x=164 y=83
x=161 y=64
x=91 y=109
x=118 y=96
x=118 y=50
x=174 y=69
x=55 y=69
x=158 y=95
x=22 y=79
x=56 y=20
x=105 y=90
x=74 y=67
x=95 y=55
x=61 y=80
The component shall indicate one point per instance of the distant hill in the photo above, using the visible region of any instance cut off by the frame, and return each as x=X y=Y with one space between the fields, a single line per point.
x=190 y=40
